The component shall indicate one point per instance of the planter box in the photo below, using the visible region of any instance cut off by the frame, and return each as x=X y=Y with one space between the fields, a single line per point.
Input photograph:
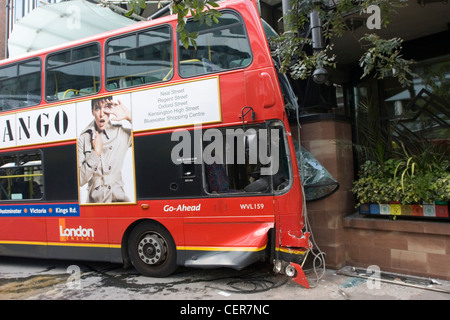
x=439 y=209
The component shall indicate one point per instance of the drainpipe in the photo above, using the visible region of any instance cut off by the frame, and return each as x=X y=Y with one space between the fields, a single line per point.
x=8 y=9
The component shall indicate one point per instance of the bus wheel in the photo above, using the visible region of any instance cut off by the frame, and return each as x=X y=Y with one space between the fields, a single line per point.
x=152 y=250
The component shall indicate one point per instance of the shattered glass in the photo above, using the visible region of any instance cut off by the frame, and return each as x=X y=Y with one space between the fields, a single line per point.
x=317 y=181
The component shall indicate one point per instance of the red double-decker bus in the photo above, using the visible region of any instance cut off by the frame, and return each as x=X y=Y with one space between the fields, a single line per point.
x=130 y=148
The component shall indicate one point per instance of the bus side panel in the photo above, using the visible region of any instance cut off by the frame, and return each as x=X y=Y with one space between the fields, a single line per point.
x=119 y=226
x=263 y=93
x=228 y=231
x=102 y=238
x=234 y=100
x=25 y=237
x=23 y=229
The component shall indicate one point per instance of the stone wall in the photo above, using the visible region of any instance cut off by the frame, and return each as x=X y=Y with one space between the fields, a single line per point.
x=323 y=136
x=418 y=247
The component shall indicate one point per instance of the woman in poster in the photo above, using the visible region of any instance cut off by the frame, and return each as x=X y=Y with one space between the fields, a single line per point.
x=101 y=151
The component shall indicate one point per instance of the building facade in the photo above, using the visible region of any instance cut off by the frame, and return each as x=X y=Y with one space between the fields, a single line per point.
x=339 y=113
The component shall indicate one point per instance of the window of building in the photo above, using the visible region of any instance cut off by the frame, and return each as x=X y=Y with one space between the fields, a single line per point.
x=394 y=121
x=139 y=58
x=221 y=47
x=21 y=176
x=73 y=73
x=20 y=85
x=422 y=109
x=402 y=142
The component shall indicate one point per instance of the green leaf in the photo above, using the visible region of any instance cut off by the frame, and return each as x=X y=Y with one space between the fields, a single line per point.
x=194 y=43
x=180 y=26
x=185 y=42
x=213 y=4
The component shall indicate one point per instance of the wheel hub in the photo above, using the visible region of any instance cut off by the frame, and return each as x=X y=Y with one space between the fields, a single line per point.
x=152 y=249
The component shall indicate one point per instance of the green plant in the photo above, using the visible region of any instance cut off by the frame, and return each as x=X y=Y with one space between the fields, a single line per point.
x=371 y=135
x=406 y=181
x=408 y=167
x=374 y=184
x=384 y=59
x=381 y=57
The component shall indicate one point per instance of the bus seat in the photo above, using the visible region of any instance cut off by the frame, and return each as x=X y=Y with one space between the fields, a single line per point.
x=217 y=178
x=191 y=67
x=69 y=93
x=86 y=91
x=111 y=86
x=240 y=63
x=133 y=82
x=150 y=79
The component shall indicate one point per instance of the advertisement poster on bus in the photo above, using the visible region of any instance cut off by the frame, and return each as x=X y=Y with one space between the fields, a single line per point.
x=105 y=129
x=105 y=155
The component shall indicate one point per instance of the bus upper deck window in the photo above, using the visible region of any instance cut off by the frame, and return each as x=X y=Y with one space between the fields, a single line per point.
x=221 y=47
x=72 y=73
x=20 y=85
x=139 y=58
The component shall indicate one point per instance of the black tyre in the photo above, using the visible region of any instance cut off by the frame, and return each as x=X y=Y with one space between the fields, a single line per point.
x=152 y=250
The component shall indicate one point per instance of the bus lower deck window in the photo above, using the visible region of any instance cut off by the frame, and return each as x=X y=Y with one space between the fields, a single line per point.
x=21 y=176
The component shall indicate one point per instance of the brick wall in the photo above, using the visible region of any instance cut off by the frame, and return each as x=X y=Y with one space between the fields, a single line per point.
x=415 y=247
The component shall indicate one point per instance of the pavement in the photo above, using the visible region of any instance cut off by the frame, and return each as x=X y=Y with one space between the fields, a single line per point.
x=38 y=280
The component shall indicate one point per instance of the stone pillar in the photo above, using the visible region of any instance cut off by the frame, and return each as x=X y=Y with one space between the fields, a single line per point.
x=321 y=135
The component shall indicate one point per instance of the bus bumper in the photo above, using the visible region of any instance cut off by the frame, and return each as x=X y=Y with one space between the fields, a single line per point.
x=289 y=260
